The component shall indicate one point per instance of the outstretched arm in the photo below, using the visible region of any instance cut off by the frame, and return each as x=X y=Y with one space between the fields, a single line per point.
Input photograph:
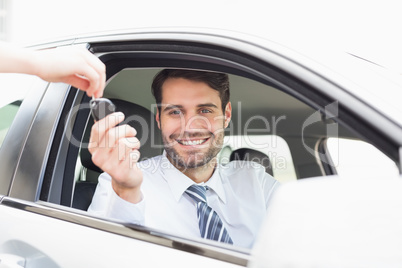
x=75 y=66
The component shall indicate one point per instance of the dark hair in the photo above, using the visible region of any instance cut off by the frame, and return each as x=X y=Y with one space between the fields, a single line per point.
x=217 y=81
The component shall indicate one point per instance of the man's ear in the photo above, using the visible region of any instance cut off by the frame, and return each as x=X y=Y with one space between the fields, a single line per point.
x=228 y=114
x=157 y=118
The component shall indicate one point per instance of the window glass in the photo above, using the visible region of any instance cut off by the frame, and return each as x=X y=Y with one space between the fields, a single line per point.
x=13 y=88
x=273 y=146
x=7 y=114
x=360 y=159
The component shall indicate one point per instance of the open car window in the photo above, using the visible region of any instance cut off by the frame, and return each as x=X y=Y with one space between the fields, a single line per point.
x=260 y=122
x=265 y=119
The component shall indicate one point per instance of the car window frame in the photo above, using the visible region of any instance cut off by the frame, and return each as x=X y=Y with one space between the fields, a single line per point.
x=15 y=140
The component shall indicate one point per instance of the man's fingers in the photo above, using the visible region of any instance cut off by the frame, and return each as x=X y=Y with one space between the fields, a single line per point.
x=114 y=135
x=100 y=128
x=110 y=144
x=117 y=151
x=125 y=147
x=110 y=121
x=134 y=156
x=132 y=143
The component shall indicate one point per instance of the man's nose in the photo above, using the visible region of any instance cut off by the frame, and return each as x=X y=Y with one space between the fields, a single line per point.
x=196 y=122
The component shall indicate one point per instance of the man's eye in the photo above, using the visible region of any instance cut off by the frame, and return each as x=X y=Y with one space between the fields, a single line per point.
x=175 y=112
x=205 y=111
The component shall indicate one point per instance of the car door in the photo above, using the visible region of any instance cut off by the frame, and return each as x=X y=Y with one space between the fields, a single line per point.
x=35 y=233
x=39 y=227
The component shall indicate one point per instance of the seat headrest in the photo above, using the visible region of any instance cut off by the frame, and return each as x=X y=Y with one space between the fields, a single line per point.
x=140 y=118
x=247 y=154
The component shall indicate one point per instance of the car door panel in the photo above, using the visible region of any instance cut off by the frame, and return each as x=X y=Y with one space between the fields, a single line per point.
x=65 y=237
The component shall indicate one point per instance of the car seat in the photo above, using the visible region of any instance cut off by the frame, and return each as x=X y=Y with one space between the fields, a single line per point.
x=248 y=154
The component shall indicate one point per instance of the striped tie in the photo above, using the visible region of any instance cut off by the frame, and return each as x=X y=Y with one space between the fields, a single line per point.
x=211 y=226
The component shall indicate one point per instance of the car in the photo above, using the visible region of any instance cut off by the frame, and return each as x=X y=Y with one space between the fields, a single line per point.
x=310 y=117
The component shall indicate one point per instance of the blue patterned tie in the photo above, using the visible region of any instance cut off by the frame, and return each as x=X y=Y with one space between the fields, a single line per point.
x=211 y=226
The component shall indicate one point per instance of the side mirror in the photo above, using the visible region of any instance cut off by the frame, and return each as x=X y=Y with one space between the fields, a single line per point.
x=333 y=222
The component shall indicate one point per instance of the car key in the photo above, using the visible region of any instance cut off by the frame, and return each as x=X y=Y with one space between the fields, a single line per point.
x=101 y=107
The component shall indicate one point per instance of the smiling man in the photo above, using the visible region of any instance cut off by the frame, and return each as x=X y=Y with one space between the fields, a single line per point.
x=184 y=191
x=191 y=119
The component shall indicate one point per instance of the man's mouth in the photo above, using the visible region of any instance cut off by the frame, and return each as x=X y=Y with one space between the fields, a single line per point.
x=192 y=142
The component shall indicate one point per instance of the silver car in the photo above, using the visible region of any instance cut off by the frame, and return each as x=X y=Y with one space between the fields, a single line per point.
x=328 y=127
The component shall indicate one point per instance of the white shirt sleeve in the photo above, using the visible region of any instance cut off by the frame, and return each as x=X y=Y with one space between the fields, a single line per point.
x=269 y=185
x=106 y=203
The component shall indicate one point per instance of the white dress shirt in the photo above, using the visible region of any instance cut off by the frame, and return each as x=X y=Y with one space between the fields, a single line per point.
x=239 y=192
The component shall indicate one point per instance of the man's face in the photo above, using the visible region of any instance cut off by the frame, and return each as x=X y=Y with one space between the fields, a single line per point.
x=192 y=122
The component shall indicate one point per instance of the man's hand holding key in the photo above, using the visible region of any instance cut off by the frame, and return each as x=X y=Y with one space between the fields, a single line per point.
x=115 y=149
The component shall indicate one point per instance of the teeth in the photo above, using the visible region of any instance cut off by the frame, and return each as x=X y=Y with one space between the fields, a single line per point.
x=194 y=142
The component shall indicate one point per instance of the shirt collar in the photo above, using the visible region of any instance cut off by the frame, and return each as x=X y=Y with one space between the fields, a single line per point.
x=178 y=182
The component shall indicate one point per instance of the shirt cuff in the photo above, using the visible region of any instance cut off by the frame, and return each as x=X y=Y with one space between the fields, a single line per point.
x=125 y=211
x=107 y=204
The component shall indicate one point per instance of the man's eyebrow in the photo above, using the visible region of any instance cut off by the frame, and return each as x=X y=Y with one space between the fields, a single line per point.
x=171 y=107
x=207 y=105
x=168 y=107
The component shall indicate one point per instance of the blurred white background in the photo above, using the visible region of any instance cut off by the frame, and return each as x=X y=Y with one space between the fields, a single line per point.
x=371 y=29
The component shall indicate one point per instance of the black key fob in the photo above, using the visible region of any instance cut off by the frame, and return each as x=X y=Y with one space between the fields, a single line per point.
x=101 y=107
